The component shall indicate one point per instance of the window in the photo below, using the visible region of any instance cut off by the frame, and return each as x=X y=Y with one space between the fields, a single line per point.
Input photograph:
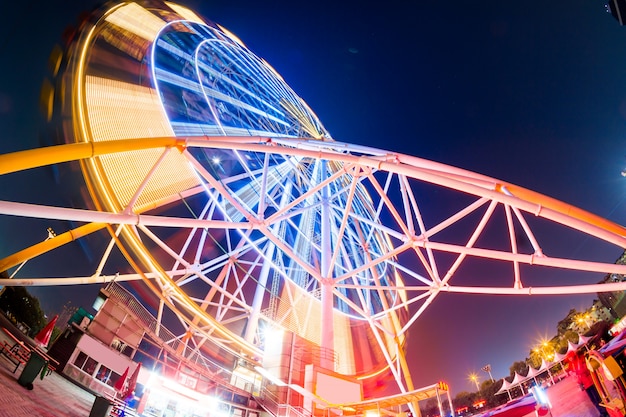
x=80 y=360
x=85 y=363
x=122 y=347
x=113 y=378
x=128 y=351
x=104 y=375
x=118 y=345
x=90 y=366
x=240 y=399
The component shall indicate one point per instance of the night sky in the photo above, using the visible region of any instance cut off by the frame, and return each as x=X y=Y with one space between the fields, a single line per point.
x=533 y=93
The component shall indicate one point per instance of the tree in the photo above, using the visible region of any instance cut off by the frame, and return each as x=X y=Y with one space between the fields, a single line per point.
x=22 y=307
x=600 y=329
x=521 y=367
x=567 y=336
x=464 y=399
x=535 y=357
x=430 y=408
x=564 y=324
x=488 y=389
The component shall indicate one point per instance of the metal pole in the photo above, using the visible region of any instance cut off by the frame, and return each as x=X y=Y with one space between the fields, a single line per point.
x=51 y=235
x=327 y=342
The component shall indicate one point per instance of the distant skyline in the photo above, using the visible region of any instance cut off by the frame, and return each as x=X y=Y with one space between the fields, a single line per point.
x=531 y=93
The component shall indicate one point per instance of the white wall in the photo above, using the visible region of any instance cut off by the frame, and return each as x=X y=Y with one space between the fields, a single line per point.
x=108 y=357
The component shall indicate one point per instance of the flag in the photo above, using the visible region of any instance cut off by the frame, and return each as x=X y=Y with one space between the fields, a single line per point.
x=119 y=385
x=43 y=337
x=132 y=382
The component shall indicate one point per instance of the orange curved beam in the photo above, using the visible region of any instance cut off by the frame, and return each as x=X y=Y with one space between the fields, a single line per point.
x=48 y=245
x=560 y=207
x=34 y=158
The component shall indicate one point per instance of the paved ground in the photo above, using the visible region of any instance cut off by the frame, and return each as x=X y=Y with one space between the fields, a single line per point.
x=568 y=400
x=51 y=397
x=54 y=396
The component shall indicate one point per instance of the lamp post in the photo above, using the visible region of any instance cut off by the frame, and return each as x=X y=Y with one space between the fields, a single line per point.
x=545 y=350
x=487 y=368
x=583 y=319
x=474 y=378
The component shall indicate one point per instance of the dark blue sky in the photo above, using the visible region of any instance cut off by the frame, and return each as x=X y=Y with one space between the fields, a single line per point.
x=533 y=93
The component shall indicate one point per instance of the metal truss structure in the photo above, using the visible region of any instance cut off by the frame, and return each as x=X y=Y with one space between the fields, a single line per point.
x=231 y=202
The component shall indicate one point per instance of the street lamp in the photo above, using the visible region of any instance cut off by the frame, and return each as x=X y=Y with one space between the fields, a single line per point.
x=583 y=319
x=487 y=368
x=474 y=378
x=545 y=350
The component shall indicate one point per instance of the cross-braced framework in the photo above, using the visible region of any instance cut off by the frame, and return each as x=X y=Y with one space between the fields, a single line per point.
x=232 y=204
x=333 y=217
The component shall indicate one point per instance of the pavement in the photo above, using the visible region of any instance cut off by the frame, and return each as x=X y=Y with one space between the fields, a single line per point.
x=55 y=396
x=52 y=396
x=568 y=400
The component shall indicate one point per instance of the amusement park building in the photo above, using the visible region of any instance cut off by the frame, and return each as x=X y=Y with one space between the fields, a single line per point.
x=96 y=352
x=597 y=313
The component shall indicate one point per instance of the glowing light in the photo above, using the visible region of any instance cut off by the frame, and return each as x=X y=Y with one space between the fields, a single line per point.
x=474 y=378
x=153 y=378
x=137 y=112
x=46 y=99
x=479 y=404
x=541 y=396
x=270 y=377
x=119 y=110
x=216 y=160
x=181 y=389
x=185 y=12
x=271 y=68
x=135 y=19
x=298 y=114
x=372 y=413
x=273 y=340
x=211 y=402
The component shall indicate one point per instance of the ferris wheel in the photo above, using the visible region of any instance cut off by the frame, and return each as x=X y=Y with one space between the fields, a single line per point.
x=233 y=204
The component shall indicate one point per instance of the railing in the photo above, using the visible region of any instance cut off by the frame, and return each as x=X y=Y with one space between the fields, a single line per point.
x=272 y=405
x=122 y=296
x=286 y=410
x=134 y=307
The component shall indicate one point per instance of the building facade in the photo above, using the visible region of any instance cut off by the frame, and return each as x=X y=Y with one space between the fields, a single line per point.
x=123 y=336
x=615 y=301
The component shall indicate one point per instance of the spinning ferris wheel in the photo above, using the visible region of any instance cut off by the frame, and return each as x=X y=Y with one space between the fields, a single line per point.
x=232 y=203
